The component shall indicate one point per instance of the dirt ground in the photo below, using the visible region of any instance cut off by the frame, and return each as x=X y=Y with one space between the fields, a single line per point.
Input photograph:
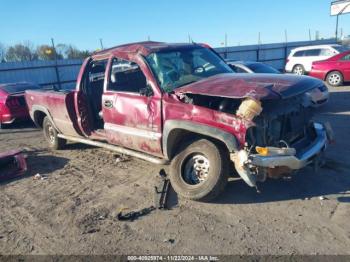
x=74 y=210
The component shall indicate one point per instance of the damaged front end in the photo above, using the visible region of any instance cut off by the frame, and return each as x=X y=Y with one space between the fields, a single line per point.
x=279 y=137
x=283 y=140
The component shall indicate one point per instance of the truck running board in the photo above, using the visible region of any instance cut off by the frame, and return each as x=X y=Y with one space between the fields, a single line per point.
x=118 y=149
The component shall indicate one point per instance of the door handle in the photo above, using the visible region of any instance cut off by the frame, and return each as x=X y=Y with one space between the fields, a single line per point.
x=108 y=103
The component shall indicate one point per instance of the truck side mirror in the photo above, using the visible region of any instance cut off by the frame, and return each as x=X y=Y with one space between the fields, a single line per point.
x=146 y=91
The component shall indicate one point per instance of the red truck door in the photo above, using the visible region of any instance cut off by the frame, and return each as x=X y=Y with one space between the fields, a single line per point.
x=131 y=112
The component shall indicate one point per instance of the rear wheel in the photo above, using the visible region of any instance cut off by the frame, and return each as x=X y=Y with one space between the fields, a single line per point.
x=200 y=171
x=298 y=70
x=335 y=78
x=50 y=134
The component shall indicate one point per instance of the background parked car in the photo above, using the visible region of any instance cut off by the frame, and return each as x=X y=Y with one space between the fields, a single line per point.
x=318 y=96
x=334 y=70
x=300 y=59
x=251 y=67
x=12 y=102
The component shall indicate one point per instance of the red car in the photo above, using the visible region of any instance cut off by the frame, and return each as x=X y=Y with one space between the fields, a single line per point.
x=12 y=102
x=334 y=70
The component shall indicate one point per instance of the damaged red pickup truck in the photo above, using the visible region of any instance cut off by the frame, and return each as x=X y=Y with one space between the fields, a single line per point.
x=181 y=103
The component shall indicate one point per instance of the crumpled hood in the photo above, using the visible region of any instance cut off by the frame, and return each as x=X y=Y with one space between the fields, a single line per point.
x=258 y=86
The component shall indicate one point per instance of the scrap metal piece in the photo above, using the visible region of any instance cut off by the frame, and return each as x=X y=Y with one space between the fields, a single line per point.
x=12 y=164
x=161 y=196
x=133 y=215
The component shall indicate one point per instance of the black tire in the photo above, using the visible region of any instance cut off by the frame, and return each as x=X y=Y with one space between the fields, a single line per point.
x=335 y=78
x=217 y=172
x=298 y=70
x=50 y=134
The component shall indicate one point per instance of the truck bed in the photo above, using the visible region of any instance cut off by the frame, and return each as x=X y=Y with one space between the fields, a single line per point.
x=57 y=105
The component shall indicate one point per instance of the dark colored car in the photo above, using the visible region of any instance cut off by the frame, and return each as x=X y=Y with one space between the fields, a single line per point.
x=182 y=104
x=251 y=67
x=334 y=70
x=12 y=102
x=318 y=96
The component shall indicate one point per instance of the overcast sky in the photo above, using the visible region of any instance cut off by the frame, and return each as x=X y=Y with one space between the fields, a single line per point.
x=83 y=23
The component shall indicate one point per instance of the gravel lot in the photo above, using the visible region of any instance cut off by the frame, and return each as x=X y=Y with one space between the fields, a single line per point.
x=74 y=210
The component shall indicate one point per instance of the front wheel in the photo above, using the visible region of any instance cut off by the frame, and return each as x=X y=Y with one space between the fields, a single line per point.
x=50 y=134
x=200 y=171
x=335 y=78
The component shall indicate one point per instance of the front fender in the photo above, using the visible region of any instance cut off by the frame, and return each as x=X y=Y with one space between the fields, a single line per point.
x=171 y=125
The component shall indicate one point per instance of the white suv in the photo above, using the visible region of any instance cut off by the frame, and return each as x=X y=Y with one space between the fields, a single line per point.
x=300 y=59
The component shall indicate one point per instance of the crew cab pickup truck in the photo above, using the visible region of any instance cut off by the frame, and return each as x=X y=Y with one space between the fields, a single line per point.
x=182 y=104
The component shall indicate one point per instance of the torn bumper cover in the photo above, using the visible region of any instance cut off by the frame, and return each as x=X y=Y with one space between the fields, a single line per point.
x=246 y=163
x=298 y=160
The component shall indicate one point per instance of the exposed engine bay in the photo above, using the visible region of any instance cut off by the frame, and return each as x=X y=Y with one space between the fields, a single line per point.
x=280 y=122
x=282 y=127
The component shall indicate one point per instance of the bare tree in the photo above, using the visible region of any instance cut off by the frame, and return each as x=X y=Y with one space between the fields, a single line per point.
x=21 y=52
x=2 y=53
x=74 y=53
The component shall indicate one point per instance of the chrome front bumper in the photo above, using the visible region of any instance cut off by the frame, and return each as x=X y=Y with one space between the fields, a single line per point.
x=297 y=161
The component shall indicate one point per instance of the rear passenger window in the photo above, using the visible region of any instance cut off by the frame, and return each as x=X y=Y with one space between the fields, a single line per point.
x=299 y=53
x=326 y=52
x=312 y=52
x=126 y=76
x=346 y=58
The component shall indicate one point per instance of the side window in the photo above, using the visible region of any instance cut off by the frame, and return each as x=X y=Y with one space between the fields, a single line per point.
x=326 y=52
x=312 y=52
x=346 y=58
x=126 y=76
x=299 y=53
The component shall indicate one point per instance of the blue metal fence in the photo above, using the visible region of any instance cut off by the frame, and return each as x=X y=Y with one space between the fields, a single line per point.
x=47 y=73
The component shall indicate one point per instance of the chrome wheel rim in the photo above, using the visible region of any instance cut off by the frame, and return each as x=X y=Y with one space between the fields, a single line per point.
x=298 y=70
x=50 y=133
x=196 y=169
x=334 y=79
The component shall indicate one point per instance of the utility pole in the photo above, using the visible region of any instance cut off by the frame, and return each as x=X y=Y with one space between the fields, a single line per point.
x=148 y=38
x=337 y=22
x=56 y=66
x=309 y=34
x=336 y=28
x=189 y=38
x=259 y=39
x=101 y=44
x=225 y=45
x=285 y=36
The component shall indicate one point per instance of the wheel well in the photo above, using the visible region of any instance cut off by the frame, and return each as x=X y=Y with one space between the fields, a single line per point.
x=178 y=137
x=298 y=65
x=332 y=72
x=39 y=118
